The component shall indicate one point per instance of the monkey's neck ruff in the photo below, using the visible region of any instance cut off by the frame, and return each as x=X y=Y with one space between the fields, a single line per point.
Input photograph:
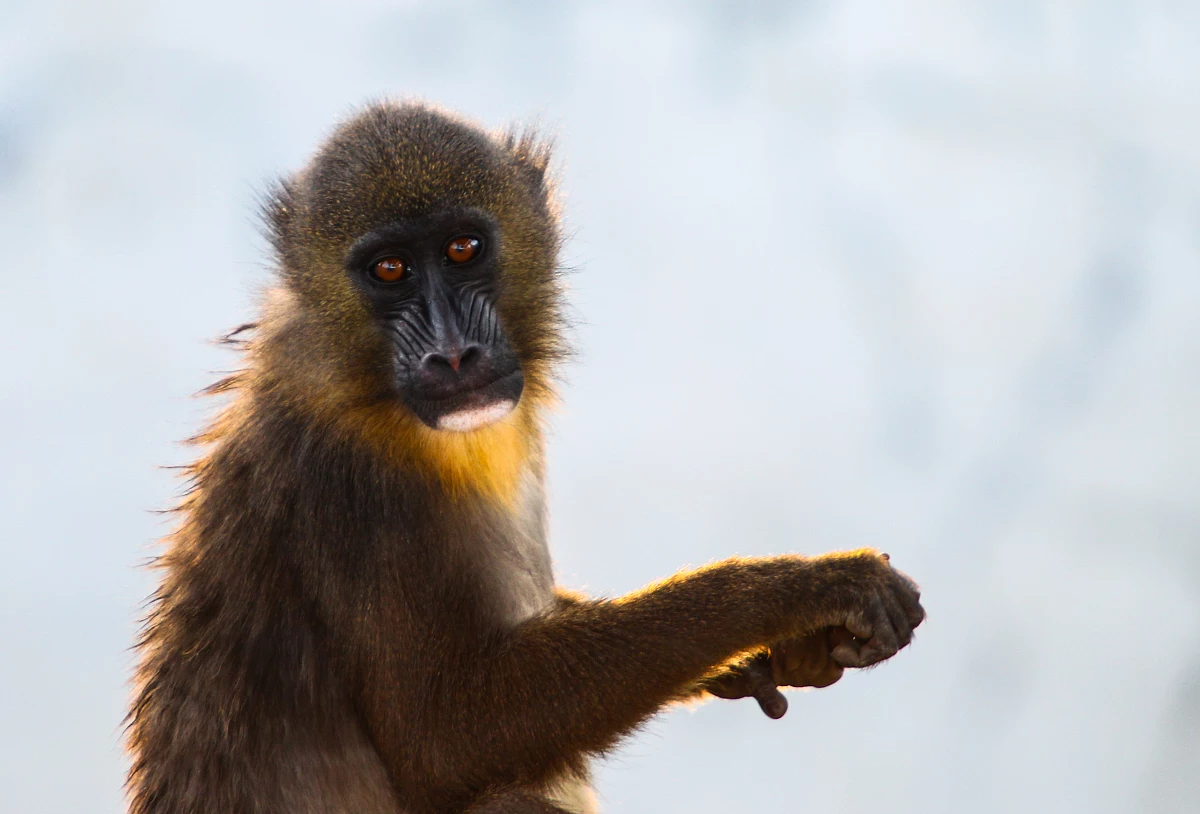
x=484 y=450
x=472 y=418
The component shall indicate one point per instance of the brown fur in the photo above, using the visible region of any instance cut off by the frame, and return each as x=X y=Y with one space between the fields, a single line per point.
x=357 y=613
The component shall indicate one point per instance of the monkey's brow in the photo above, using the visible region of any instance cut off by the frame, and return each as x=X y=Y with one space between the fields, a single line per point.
x=410 y=230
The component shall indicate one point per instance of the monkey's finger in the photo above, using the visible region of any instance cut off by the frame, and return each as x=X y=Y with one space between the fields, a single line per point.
x=842 y=646
x=846 y=654
x=909 y=595
x=899 y=619
x=772 y=702
x=838 y=635
x=885 y=641
x=846 y=646
x=830 y=674
x=880 y=643
x=859 y=625
x=831 y=671
x=914 y=609
x=857 y=654
x=762 y=687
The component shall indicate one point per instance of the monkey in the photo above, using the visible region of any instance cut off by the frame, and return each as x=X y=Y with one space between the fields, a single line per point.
x=357 y=609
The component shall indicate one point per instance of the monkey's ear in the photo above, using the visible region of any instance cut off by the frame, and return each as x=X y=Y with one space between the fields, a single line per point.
x=531 y=152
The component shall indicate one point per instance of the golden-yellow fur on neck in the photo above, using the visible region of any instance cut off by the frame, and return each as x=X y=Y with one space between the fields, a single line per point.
x=489 y=461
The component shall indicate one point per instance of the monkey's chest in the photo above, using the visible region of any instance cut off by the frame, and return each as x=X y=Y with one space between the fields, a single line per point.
x=518 y=578
x=513 y=558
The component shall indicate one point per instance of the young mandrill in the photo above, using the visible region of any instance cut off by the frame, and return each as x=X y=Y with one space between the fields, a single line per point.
x=357 y=612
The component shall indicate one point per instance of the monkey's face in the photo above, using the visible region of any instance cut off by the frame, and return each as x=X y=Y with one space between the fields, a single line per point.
x=431 y=283
x=419 y=255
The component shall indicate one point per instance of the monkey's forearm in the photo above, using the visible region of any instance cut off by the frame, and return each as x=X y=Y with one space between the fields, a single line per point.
x=578 y=678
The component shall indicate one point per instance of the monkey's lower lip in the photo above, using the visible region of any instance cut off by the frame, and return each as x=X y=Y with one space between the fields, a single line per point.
x=472 y=418
x=470 y=409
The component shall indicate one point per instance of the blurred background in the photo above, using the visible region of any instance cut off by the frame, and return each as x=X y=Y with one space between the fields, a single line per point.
x=920 y=275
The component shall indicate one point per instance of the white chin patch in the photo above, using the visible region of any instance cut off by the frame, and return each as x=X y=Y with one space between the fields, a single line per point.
x=475 y=417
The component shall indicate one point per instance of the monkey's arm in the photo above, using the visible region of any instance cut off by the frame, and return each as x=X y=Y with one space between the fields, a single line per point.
x=575 y=680
x=748 y=675
x=802 y=661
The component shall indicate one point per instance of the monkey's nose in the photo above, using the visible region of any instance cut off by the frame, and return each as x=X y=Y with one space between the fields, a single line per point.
x=453 y=362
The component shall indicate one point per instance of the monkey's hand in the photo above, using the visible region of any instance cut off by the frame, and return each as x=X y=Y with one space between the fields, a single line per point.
x=804 y=661
x=862 y=595
x=869 y=611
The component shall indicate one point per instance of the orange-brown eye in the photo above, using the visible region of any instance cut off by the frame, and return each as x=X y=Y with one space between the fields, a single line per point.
x=462 y=249
x=389 y=270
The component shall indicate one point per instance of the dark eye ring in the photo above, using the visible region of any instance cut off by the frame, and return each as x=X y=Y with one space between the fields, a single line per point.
x=463 y=249
x=388 y=270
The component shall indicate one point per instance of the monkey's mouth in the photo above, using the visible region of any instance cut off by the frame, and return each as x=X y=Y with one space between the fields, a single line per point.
x=471 y=407
x=472 y=418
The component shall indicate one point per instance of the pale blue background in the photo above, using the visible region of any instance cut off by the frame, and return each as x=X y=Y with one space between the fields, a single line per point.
x=922 y=275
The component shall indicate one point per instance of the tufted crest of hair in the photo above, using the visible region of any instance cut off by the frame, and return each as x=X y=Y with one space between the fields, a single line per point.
x=316 y=350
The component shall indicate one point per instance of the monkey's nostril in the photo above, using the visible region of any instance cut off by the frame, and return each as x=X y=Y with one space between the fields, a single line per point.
x=469 y=357
x=440 y=364
x=454 y=362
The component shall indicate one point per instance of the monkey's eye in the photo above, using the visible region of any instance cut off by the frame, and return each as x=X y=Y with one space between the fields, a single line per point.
x=389 y=270
x=462 y=249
